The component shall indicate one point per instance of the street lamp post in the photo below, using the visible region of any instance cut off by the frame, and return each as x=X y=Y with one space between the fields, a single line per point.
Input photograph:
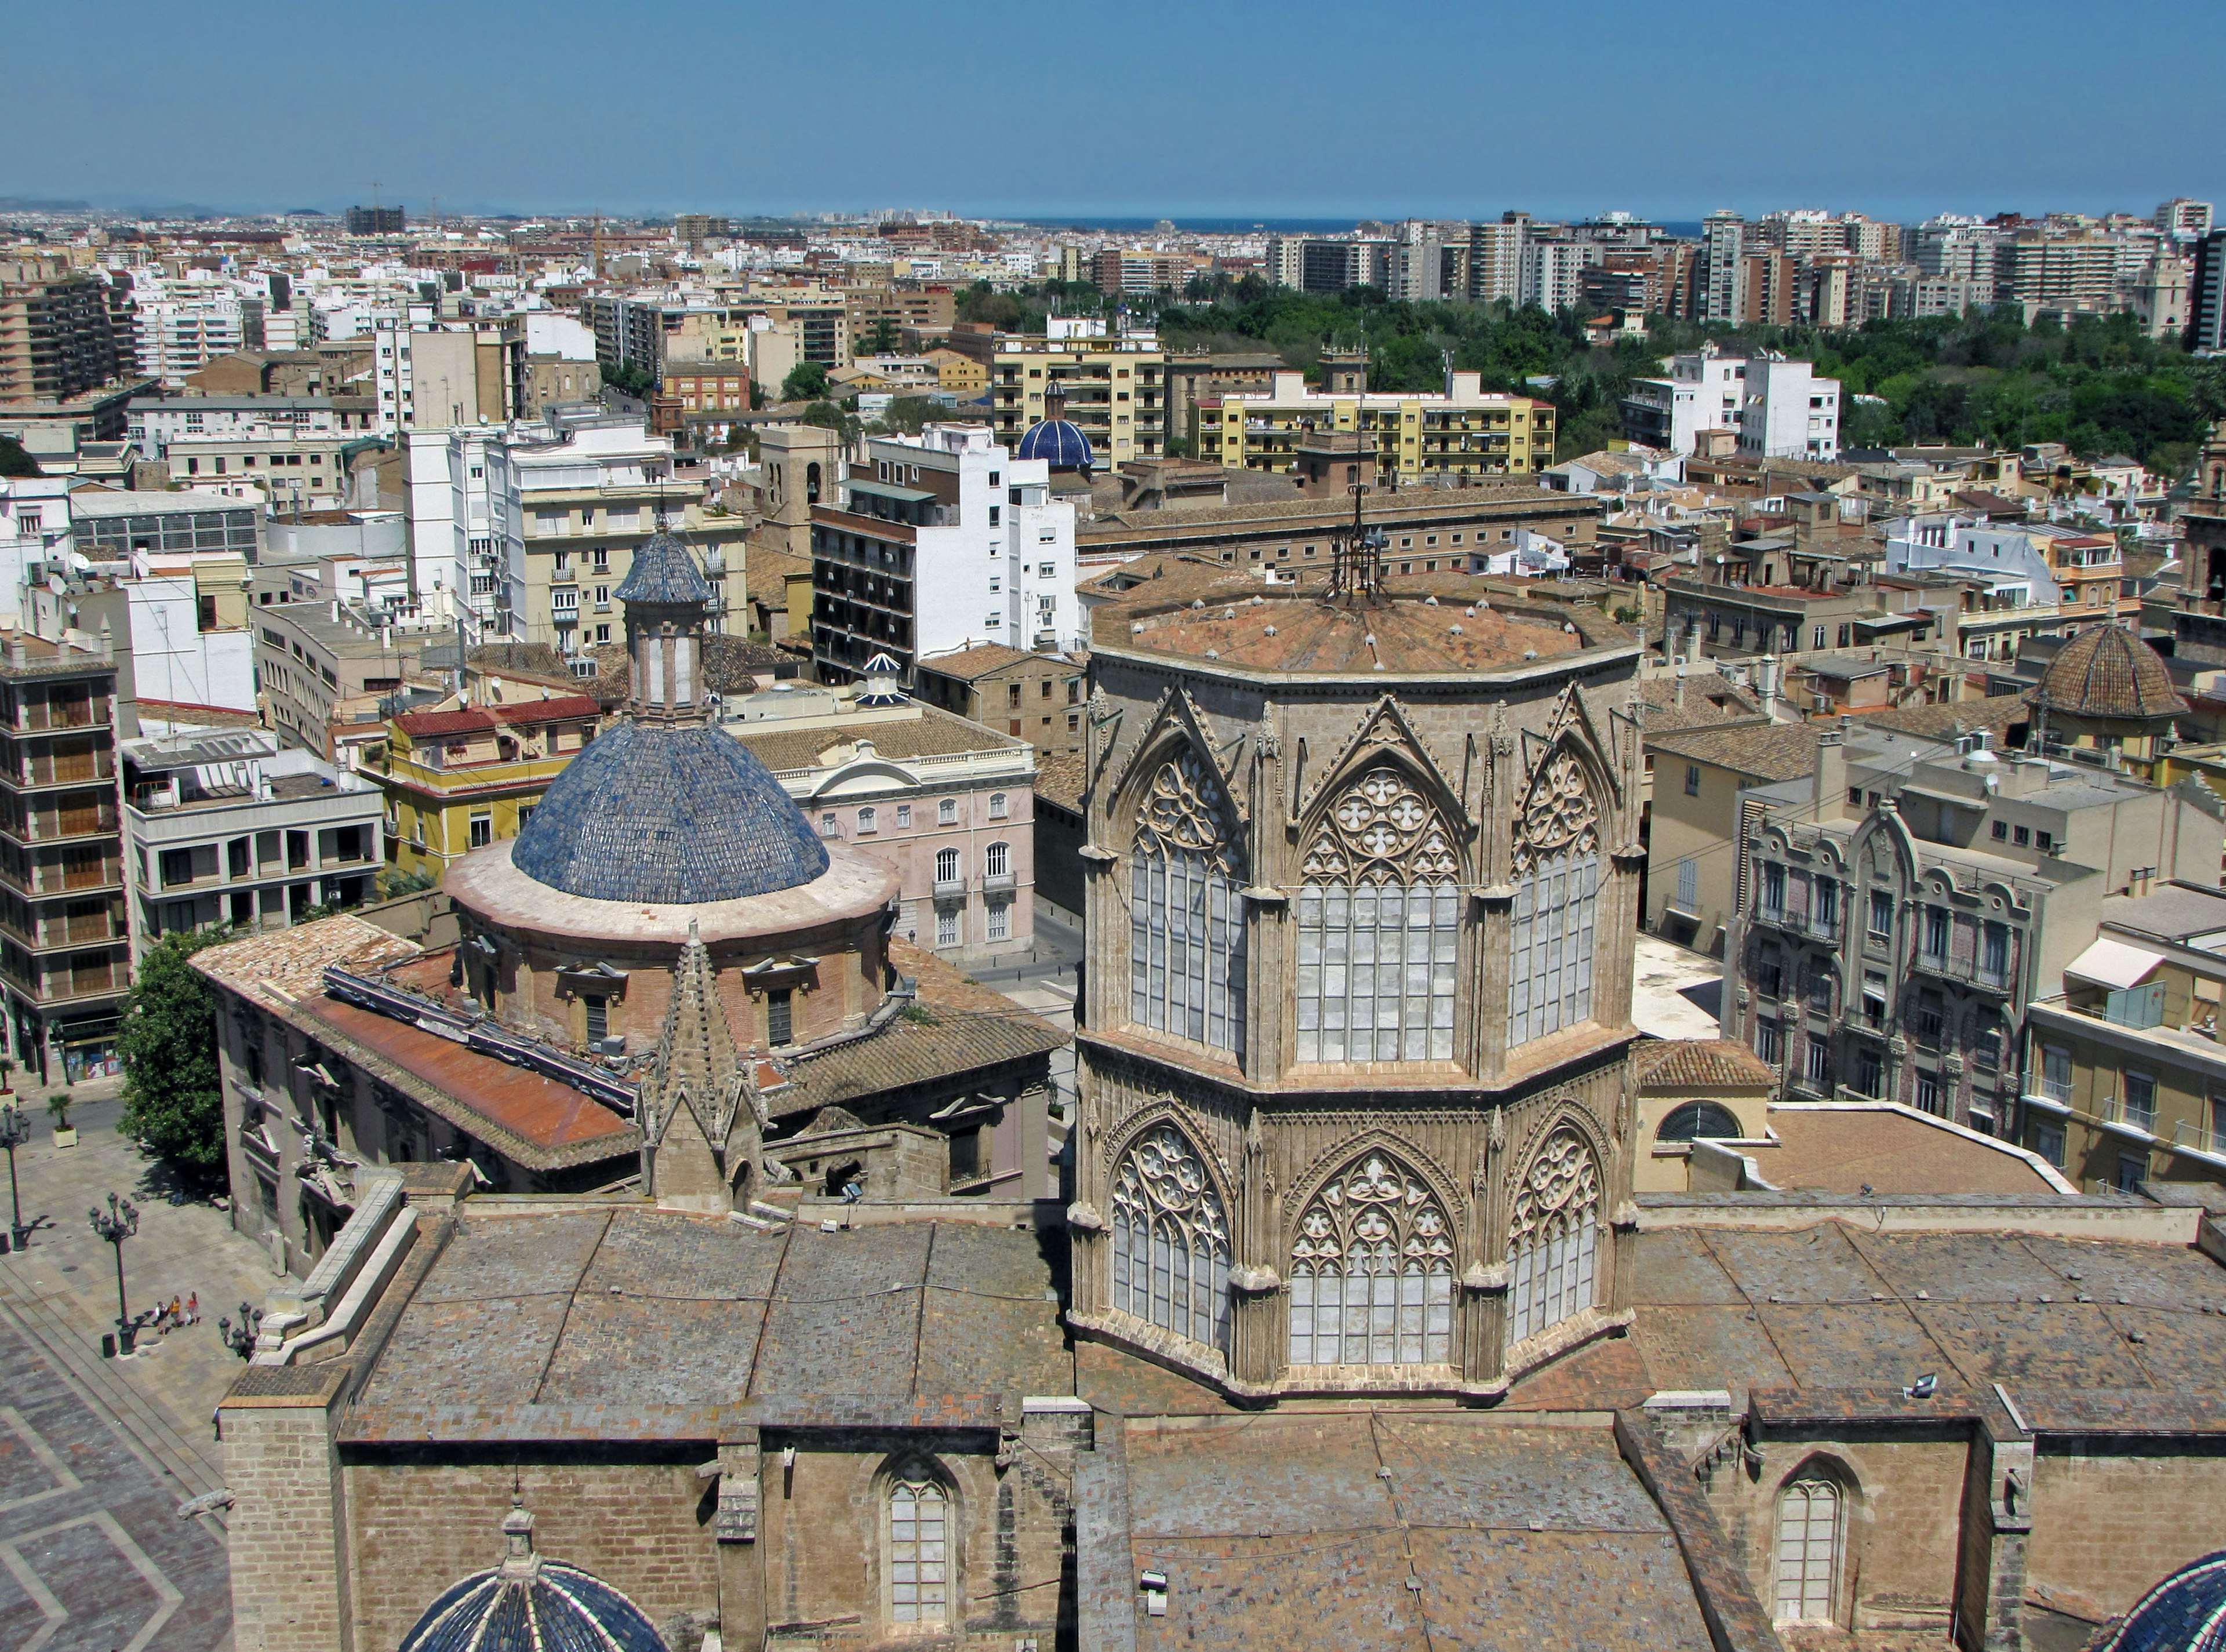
x=15 y=1131
x=121 y=1222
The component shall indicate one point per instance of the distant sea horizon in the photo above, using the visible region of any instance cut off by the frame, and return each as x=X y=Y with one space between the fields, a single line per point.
x=1690 y=231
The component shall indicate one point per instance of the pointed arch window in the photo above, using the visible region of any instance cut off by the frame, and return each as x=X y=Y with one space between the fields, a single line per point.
x=1171 y=1240
x=919 y=1549
x=1372 y=1272
x=1379 y=926
x=1186 y=912
x=1811 y=1536
x=1553 y=1237
x=1557 y=895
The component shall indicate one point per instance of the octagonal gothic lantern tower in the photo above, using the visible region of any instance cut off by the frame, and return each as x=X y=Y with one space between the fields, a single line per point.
x=1353 y=1060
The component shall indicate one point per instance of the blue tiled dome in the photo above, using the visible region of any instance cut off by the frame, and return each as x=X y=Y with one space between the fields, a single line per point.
x=667 y=818
x=531 y=1605
x=1057 y=441
x=664 y=571
x=2184 y=1613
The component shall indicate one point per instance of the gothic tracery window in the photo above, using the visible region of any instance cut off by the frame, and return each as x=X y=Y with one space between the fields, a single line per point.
x=1811 y=1534
x=1557 y=892
x=1171 y=1240
x=919 y=1549
x=1186 y=912
x=1379 y=926
x=1553 y=1237
x=1372 y=1272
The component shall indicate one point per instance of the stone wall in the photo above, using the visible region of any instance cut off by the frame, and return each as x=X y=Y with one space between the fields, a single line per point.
x=2109 y=1521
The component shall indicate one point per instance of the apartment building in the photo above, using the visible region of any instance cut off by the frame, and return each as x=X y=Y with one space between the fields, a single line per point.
x=282 y=467
x=312 y=657
x=1901 y=909
x=59 y=335
x=2206 y=293
x=1142 y=271
x=2125 y=1076
x=2066 y=272
x=1779 y=408
x=223 y=827
x=65 y=928
x=2022 y=579
x=459 y=777
x=936 y=544
x=2184 y=219
x=156 y=423
x=437 y=374
x=1463 y=430
x=1038 y=697
x=571 y=499
x=1112 y=382
x=175 y=337
x=947 y=803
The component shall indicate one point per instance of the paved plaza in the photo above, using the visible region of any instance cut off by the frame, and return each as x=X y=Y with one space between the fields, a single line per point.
x=96 y=1455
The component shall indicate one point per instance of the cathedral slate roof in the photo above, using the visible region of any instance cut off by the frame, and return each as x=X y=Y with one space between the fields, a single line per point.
x=667 y=817
x=623 y=1322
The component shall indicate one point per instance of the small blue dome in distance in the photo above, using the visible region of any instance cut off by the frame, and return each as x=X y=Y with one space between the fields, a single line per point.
x=2184 y=1613
x=1061 y=443
x=530 y=1604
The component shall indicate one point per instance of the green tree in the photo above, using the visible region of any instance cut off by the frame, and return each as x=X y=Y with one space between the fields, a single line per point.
x=632 y=377
x=806 y=382
x=830 y=416
x=14 y=461
x=881 y=339
x=172 y=1104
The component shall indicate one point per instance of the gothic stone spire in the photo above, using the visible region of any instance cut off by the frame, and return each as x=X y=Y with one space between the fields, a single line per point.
x=699 y=1117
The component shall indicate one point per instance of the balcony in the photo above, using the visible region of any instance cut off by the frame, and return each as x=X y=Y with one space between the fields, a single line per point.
x=2190 y=1137
x=951 y=888
x=995 y=883
x=2113 y=1113
x=1965 y=971
x=1805 y=924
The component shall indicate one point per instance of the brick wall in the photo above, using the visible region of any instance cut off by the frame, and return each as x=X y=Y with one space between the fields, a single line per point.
x=2107 y=1525
x=1899 y=1566
x=286 y=1578
x=644 y=1527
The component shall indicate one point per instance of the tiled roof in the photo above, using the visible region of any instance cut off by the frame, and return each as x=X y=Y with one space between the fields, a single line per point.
x=1766 y=751
x=293 y=961
x=1296 y=635
x=958 y=1027
x=934 y=733
x=2106 y=671
x=1060 y=777
x=1837 y=1305
x=667 y=817
x=977 y=661
x=664 y=570
x=629 y=1323
x=470 y=720
x=1943 y=722
x=1897 y=1150
x=1413 y=1529
x=1709 y=699
x=1699 y=1064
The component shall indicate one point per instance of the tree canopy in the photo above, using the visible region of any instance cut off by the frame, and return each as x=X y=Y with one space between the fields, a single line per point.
x=14 y=461
x=173 y=1099
x=806 y=382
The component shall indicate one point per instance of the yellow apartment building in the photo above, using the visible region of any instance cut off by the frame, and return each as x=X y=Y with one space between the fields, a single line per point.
x=459 y=779
x=1114 y=385
x=1463 y=430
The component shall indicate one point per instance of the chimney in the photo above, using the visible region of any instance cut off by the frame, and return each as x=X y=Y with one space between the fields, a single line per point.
x=1677 y=694
x=1831 y=775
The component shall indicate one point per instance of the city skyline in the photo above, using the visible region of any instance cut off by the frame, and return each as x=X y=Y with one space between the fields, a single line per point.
x=496 y=114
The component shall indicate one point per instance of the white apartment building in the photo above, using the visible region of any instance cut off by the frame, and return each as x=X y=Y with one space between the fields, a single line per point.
x=155 y=424
x=1553 y=272
x=179 y=336
x=283 y=466
x=455 y=526
x=2184 y=219
x=1788 y=413
x=937 y=544
x=35 y=523
x=221 y=827
x=1779 y=408
x=570 y=499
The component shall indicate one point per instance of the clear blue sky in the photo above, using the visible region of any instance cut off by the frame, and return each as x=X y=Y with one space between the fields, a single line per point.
x=1458 y=108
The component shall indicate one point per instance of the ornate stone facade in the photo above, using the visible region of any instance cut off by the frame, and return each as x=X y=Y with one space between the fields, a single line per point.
x=1352 y=1058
